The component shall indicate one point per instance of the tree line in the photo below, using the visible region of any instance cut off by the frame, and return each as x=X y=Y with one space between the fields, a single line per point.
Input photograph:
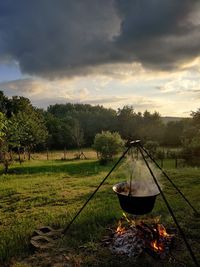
x=25 y=127
x=63 y=120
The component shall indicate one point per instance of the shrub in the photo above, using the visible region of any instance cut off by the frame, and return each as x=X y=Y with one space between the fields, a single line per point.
x=160 y=154
x=107 y=145
x=191 y=151
x=151 y=146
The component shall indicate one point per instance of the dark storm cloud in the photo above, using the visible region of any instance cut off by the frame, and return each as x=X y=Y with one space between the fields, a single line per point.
x=158 y=33
x=69 y=37
x=144 y=19
x=51 y=36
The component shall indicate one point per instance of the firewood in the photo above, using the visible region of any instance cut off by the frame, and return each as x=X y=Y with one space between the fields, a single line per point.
x=133 y=239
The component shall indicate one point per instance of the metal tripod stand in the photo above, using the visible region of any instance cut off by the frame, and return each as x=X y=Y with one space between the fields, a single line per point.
x=144 y=153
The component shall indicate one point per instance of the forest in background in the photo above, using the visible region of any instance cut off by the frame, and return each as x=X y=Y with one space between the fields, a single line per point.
x=64 y=126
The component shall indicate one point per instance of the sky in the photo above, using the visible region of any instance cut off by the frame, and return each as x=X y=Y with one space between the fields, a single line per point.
x=144 y=53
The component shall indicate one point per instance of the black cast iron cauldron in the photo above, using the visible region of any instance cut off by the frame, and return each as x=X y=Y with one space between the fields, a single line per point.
x=137 y=205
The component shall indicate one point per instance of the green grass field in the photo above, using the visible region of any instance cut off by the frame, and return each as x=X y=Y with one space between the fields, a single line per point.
x=42 y=192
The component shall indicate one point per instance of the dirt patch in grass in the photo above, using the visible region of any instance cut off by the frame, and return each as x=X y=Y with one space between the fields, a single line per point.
x=53 y=258
x=92 y=254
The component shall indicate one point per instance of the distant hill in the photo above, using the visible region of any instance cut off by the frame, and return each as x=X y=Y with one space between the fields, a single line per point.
x=167 y=119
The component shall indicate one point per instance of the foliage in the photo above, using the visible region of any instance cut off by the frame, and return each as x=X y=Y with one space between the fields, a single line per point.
x=4 y=142
x=27 y=130
x=196 y=117
x=144 y=126
x=59 y=131
x=3 y=126
x=151 y=127
x=191 y=151
x=91 y=120
x=191 y=140
x=171 y=154
x=4 y=103
x=173 y=133
x=21 y=126
x=128 y=118
x=151 y=146
x=77 y=134
x=160 y=154
x=70 y=124
x=94 y=119
x=107 y=144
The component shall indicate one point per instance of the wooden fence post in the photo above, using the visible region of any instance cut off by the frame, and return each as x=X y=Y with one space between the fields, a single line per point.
x=64 y=153
x=47 y=153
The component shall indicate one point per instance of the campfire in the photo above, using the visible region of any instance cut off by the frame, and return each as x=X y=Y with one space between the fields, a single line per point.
x=133 y=237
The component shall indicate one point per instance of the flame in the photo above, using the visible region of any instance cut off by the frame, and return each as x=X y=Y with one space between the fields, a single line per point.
x=120 y=229
x=156 y=246
x=158 y=237
x=161 y=230
x=126 y=218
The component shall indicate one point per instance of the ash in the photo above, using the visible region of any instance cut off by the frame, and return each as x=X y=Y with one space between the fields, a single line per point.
x=127 y=243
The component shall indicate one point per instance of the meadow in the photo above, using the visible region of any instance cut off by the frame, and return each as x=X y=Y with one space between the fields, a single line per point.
x=50 y=192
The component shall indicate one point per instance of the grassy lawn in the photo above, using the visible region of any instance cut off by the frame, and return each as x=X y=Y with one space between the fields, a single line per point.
x=42 y=192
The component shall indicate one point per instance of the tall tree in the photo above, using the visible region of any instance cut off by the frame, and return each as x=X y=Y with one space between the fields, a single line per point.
x=151 y=127
x=196 y=118
x=4 y=143
x=92 y=119
x=27 y=130
x=3 y=126
x=173 y=133
x=77 y=135
x=191 y=139
x=60 y=131
x=126 y=122
x=4 y=104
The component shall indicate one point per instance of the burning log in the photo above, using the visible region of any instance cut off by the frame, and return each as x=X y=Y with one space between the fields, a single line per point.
x=157 y=240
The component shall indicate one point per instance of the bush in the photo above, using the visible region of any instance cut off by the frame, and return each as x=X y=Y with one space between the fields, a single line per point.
x=191 y=151
x=107 y=145
x=151 y=146
x=160 y=154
